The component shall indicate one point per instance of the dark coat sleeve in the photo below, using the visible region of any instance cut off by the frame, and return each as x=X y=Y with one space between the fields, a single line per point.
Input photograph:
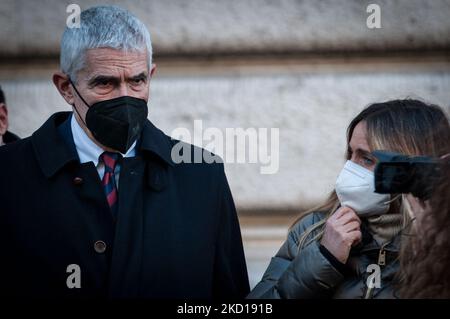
x=230 y=271
x=294 y=274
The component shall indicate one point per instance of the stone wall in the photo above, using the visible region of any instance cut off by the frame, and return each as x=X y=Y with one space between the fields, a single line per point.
x=202 y=27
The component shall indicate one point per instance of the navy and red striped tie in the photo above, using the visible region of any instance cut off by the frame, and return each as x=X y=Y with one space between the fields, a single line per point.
x=109 y=181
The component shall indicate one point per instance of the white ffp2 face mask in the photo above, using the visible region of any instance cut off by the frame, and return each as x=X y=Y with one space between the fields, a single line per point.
x=355 y=188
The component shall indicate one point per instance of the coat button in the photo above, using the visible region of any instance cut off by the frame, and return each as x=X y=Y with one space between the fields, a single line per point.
x=77 y=180
x=100 y=246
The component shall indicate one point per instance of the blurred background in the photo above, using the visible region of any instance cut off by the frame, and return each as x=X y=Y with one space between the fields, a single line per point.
x=303 y=66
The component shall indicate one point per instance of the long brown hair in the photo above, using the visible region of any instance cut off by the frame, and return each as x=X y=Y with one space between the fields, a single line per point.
x=425 y=258
x=405 y=126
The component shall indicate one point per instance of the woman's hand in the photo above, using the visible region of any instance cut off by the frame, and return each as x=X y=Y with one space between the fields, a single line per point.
x=342 y=231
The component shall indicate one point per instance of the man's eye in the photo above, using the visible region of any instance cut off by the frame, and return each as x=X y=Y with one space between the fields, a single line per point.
x=103 y=83
x=138 y=81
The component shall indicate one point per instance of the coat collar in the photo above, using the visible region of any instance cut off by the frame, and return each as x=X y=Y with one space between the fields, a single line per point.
x=53 y=152
x=154 y=141
x=10 y=137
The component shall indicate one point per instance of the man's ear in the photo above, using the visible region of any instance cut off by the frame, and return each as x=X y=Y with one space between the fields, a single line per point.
x=152 y=70
x=3 y=118
x=62 y=83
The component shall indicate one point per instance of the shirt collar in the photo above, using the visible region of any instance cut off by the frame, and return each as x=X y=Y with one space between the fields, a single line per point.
x=53 y=152
x=87 y=150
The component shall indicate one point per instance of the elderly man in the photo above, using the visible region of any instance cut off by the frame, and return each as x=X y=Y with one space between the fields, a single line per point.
x=94 y=205
x=6 y=137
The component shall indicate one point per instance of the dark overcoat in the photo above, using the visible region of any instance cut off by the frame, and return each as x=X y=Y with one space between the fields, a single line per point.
x=176 y=235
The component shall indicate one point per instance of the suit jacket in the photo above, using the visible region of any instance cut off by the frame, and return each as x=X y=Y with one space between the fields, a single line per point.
x=176 y=236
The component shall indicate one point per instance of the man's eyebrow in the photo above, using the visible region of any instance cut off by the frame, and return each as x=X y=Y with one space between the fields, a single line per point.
x=102 y=79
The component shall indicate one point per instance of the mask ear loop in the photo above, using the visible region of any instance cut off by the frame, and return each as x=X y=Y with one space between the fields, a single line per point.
x=82 y=99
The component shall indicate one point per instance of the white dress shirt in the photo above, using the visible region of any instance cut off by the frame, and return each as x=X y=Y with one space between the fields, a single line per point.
x=88 y=151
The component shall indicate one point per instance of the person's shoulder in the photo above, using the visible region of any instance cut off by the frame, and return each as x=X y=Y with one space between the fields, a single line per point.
x=13 y=157
x=194 y=166
x=15 y=150
x=289 y=249
x=306 y=222
x=190 y=156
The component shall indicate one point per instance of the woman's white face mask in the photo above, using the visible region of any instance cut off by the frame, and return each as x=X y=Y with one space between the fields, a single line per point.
x=355 y=188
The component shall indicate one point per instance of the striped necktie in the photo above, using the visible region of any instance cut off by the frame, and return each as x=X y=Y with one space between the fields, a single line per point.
x=109 y=181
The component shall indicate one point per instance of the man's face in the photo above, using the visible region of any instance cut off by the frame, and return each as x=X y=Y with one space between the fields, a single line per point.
x=109 y=74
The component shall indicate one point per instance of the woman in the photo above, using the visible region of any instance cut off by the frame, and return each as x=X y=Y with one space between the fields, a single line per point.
x=348 y=247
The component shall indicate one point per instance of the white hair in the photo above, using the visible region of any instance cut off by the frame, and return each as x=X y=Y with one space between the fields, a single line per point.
x=102 y=27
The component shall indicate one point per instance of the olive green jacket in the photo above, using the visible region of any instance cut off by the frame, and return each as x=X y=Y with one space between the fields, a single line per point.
x=310 y=274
